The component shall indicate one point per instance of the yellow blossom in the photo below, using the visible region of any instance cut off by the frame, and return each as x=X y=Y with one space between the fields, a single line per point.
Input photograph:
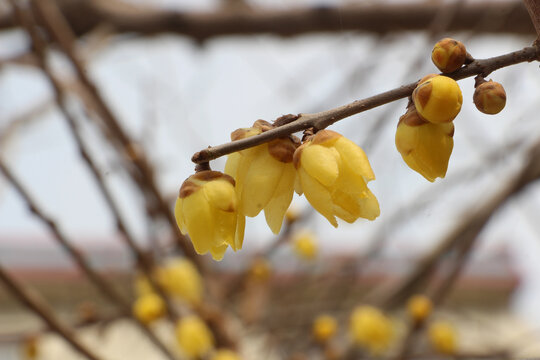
x=194 y=337
x=371 y=329
x=425 y=147
x=264 y=175
x=419 y=307
x=324 y=327
x=305 y=245
x=260 y=269
x=180 y=278
x=442 y=336
x=225 y=354
x=206 y=209
x=437 y=99
x=149 y=307
x=333 y=173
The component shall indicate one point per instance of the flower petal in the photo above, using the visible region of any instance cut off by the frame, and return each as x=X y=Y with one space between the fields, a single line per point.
x=321 y=163
x=178 y=214
x=276 y=208
x=239 y=233
x=354 y=157
x=199 y=221
x=231 y=166
x=317 y=195
x=218 y=252
x=220 y=194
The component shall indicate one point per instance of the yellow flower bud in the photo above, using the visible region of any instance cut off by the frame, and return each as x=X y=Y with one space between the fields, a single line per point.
x=438 y=99
x=260 y=269
x=490 y=97
x=305 y=245
x=333 y=173
x=425 y=147
x=194 y=337
x=371 y=329
x=449 y=55
x=442 y=337
x=324 y=328
x=419 y=307
x=180 y=278
x=264 y=175
x=149 y=307
x=292 y=215
x=225 y=354
x=207 y=210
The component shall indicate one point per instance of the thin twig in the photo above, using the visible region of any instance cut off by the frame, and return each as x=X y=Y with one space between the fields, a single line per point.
x=326 y=118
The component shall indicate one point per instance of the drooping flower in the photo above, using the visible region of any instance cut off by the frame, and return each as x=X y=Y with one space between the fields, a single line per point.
x=425 y=147
x=442 y=337
x=194 y=337
x=180 y=278
x=207 y=210
x=333 y=173
x=371 y=329
x=149 y=307
x=324 y=328
x=305 y=245
x=264 y=175
x=437 y=98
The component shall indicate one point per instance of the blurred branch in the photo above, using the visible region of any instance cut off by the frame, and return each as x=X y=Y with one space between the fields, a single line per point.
x=35 y=304
x=533 y=7
x=289 y=124
x=373 y=17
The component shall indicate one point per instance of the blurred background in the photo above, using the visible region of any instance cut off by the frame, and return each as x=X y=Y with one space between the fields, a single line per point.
x=178 y=76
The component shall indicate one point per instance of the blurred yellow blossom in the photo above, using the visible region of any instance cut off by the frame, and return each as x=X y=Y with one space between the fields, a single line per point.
x=305 y=245
x=194 y=337
x=149 y=307
x=324 y=327
x=419 y=307
x=180 y=278
x=371 y=329
x=443 y=337
x=225 y=354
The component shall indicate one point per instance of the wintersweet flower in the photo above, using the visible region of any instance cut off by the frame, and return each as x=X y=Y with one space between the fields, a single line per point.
x=305 y=245
x=333 y=173
x=419 y=307
x=225 y=354
x=207 y=210
x=371 y=329
x=149 y=307
x=264 y=175
x=194 y=337
x=324 y=328
x=442 y=336
x=437 y=98
x=180 y=278
x=425 y=147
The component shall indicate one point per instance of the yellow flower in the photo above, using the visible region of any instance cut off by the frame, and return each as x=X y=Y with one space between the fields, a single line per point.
x=149 y=307
x=180 y=278
x=260 y=269
x=425 y=147
x=333 y=173
x=225 y=354
x=449 y=55
x=437 y=99
x=443 y=337
x=264 y=175
x=324 y=327
x=371 y=329
x=419 y=307
x=194 y=337
x=305 y=245
x=206 y=209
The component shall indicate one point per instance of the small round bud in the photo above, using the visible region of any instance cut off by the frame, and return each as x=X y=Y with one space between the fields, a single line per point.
x=260 y=270
x=489 y=97
x=419 y=307
x=438 y=99
x=448 y=55
x=443 y=337
x=324 y=328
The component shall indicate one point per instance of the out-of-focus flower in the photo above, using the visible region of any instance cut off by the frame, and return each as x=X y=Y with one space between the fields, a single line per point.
x=260 y=269
x=333 y=173
x=305 y=245
x=30 y=349
x=292 y=214
x=264 y=175
x=207 y=210
x=442 y=337
x=437 y=99
x=225 y=354
x=180 y=278
x=425 y=147
x=449 y=55
x=324 y=327
x=148 y=307
x=419 y=307
x=371 y=329
x=194 y=337
x=490 y=97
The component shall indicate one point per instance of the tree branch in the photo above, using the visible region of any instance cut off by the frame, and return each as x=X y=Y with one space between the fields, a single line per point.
x=533 y=7
x=294 y=123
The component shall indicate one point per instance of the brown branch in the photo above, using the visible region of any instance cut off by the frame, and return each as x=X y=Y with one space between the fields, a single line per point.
x=374 y=17
x=326 y=118
x=35 y=304
x=533 y=8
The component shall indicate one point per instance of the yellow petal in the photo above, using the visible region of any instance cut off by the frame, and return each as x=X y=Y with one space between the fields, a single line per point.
x=321 y=163
x=224 y=227
x=298 y=186
x=246 y=158
x=220 y=194
x=317 y=195
x=260 y=182
x=276 y=208
x=354 y=157
x=346 y=206
x=178 y=214
x=369 y=206
x=198 y=217
x=218 y=252
x=231 y=166
x=239 y=233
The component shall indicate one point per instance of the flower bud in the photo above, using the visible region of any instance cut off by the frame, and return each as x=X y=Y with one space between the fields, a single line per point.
x=324 y=328
x=194 y=337
x=419 y=307
x=370 y=328
x=489 y=97
x=260 y=269
x=180 y=278
x=305 y=245
x=149 y=307
x=449 y=55
x=438 y=99
x=442 y=337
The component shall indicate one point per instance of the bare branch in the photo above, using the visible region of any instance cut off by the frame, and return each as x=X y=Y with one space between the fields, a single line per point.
x=533 y=7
